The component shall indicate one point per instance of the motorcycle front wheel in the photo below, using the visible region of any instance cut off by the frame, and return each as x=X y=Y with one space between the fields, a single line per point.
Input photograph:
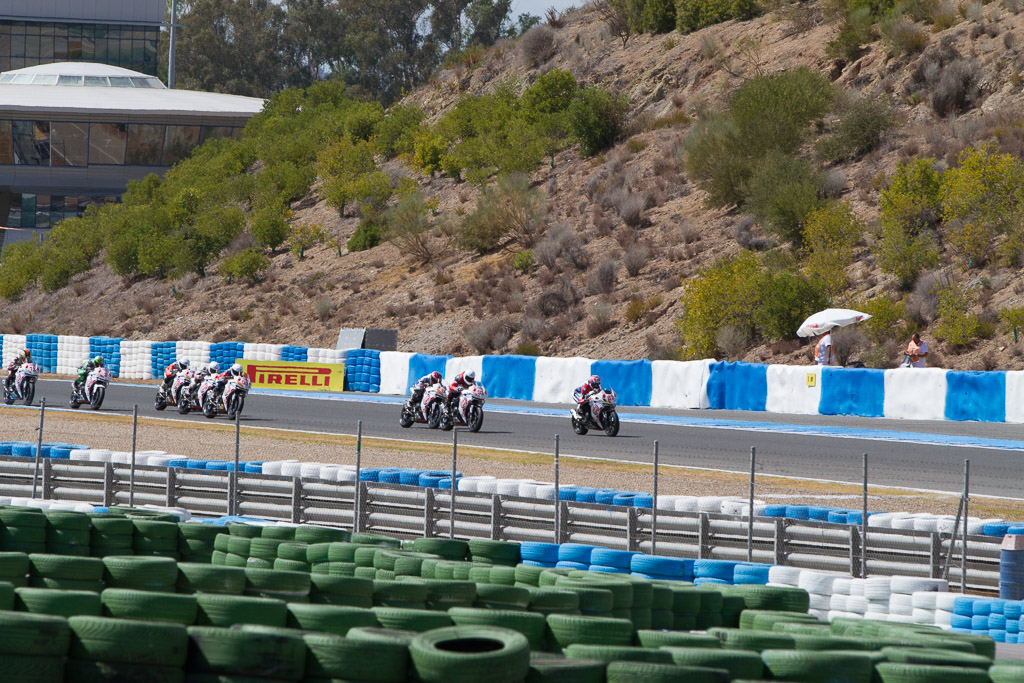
x=184 y=406
x=161 y=402
x=97 y=397
x=405 y=421
x=209 y=410
x=434 y=415
x=446 y=421
x=476 y=418
x=30 y=392
x=611 y=423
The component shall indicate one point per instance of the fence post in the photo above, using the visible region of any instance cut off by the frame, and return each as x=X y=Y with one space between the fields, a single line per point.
x=229 y=502
x=428 y=512
x=233 y=484
x=296 y=500
x=557 y=496
x=172 y=485
x=39 y=446
x=47 y=477
x=935 y=555
x=360 y=512
x=654 y=505
x=451 y=496
x=780 y=541
x=750 y=509
x=703 y=536
x=495 y=517
x=357 y=508
x=562 y=510
x=131 y=473
x=632 y=522
x=864 y=524
x=967 y=500
x=108 y=484
x=855 y=546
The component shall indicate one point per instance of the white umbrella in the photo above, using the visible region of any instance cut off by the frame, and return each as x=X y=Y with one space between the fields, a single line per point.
x=823 y=321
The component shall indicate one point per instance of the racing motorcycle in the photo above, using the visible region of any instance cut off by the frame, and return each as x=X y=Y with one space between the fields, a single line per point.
x=230 y=401
x=93 y=391
x=24 y=386
x=180 y=394
x=429 y=409
x=469 y=412
x=598 y=413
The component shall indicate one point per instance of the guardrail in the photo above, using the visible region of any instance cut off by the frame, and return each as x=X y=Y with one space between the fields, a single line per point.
x=414 y=511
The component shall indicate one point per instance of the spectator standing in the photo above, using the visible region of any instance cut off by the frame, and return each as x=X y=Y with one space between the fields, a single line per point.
x=823 y=349
x=917 y=349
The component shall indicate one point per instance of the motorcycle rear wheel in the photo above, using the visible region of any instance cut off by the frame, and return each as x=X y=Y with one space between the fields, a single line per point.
x=611 y=426
x=30 y=392
x=476 y=418
x=406 y=420
x=578 y=426
x=98 y=395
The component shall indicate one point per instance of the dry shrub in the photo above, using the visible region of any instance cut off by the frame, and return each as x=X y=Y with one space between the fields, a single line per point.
x=323 y=308
x=904 y=37
x=600 y=320
x=492 y=335
x=625 y=236
x=575 y=255
x=957 y=88
x=537 y=45
x=743 y=232
x=833 y=183
x=989 y=361
x=732 y=341
x=604 y=279
x=631 y=210
x=603 y=226
x=551 y=302
x=923 y=304
x=846 y=341
x=635 y=259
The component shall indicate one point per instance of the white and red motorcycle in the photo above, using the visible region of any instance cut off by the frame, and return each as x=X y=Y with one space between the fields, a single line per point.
x=597 y=413
x=230 y=401
x=180 y=394
x=93 y=391
x=24 y=386
x=428 y=411
x=469 y=412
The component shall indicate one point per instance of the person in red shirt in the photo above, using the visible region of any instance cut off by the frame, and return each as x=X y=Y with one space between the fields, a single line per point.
x=591 y=386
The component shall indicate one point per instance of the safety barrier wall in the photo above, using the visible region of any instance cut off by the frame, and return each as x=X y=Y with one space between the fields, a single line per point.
x=908 y=393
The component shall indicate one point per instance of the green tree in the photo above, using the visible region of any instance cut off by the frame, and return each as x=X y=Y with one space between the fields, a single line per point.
x=508 y=214
x=829 y=236
x=725 y=294
x=783 y=192
x=955 y=323
x=595 y=119
x=910 y=208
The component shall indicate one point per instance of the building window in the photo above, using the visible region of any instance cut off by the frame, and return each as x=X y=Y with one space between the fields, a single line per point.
x=179 y=143
x=32 y=143
x=145 y=144
x=6 y=143
x=69 y=144
x=107 y=143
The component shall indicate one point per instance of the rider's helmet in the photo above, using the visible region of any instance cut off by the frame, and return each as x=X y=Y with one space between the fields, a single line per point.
x=435 y=377
x=213 y=367
x=470 y=377
x=27 y=354
x=236 y=369
x=98 y=361
x=595 y=381
x=183 y=362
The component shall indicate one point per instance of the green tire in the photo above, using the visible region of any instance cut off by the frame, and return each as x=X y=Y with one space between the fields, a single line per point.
x=59 y=567
x=331 y=656
x=84 y=671
x=341 y=590
x=111 y=524
x=757 y=641
x=891 y=672
x=396 y=593
x=290 y=550
x=65 y=584
x=415 y=620
x=228 y=610
x=126 y=603
x=654 y=638
x=199 y=531
x=245 y=653
x=378 y=540
x=495 y=552
x=32 y=669
x=22 y=518
x=934 y=656
x=468 y=654
x=283 y=565
x=142 y=573
x=623 y=672
x=617 y=653
x=818 y=666
x=533 y=626
x=621 y=594
x=244 y=530
x=264 y=548
x=565 y=629
x=546 y=668
x=205 y=578
x=151 y=643
x=553 y=600
x=38 y=635
x=308 y=533
x=67 y=520
x=501 y=597
x=332 y=619
x=377 y=634
x=57 y=602
x=447 y=548
x=738 y=663
x=295 y=583
x=1007 y=671
x=281 y=533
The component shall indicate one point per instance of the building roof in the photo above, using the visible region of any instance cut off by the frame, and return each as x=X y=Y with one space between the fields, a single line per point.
x=105 y=11
x=94 y=89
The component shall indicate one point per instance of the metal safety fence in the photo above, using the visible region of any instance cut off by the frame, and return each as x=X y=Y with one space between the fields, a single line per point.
x=413 y=511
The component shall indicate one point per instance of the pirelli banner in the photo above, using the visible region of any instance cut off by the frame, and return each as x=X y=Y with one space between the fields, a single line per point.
x=276 y=374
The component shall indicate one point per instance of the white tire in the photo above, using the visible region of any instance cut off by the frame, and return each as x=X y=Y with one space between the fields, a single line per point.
x=80 y=454
x=99 y=455
x=686 y=504
x=310 y=470
x=329 y=473
x=901 y=618
x=923 y=616
x=528 y=489
x=835 y=614
x=345 y=475
x=923 y=600
x=975 y=526
x=943 y=618
x=837 y=602
x=912 y=584
x=841 y=586
x=857 y=587
x=546 y=491
x=877 y=607
x=877 y=588
x=900 y=604
x=667 y=502
x=945 y=601
x=825 y=602
x=882 y=520
x=929 y=523
x=508 y=487
x=784 y=576
x=709 y=503
x=488 y=486
x=904 y=522
x=732 y=507
x=819 y=614
x=816 y=582
x=857 y=604
x=291 y=469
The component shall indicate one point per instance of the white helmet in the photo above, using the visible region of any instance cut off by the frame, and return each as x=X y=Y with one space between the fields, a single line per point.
x=236 y=369
x=470 y=377
x=214 y=366
x=183 y=362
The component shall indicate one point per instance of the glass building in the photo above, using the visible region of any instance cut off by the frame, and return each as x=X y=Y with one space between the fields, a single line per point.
x=74 y=134
x=121 y=33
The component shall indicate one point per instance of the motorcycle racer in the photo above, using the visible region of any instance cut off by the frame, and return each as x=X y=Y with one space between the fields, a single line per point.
x=171 y=372
x=588 y=389
x=462 y=381
x=12 y=369
x=211 y=368
x=222 y=379
x=87 y=367
x=417 y=389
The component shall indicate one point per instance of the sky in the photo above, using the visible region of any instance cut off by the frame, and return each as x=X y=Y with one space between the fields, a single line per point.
x=538 y=7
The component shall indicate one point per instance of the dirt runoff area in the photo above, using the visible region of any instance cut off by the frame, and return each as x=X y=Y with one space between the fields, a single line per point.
x=215 y=440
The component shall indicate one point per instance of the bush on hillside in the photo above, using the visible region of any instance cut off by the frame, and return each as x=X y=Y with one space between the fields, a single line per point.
x=885 y=323
x=537 y=45
x=854 y=32
x=510 y=213
x=902 y=36
x=396 y=132
x=957 y=88
x=366 y=235
x=785 y=299
x=782 y=192
x=248 y=264
x=658 y=16
x=552 y=93
x=910 y=209
x=829 y=237
x=858 y=130
x=22 y=264
x=693 y=15
x=407 y=226
x=303 y=236
x=956 y=324
x=595 y=119
x=270 y=226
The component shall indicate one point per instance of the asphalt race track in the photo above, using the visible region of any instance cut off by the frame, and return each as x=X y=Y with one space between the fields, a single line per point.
x=924 y=455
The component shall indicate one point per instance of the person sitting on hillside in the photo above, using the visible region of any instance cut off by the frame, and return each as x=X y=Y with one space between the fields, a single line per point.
x=417 y=389
x=12 y=369
x=171 y=372
x=588 y=389
x=87 y=367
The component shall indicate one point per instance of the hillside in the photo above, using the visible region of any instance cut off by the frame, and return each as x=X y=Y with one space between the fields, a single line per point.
x=567 y=304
